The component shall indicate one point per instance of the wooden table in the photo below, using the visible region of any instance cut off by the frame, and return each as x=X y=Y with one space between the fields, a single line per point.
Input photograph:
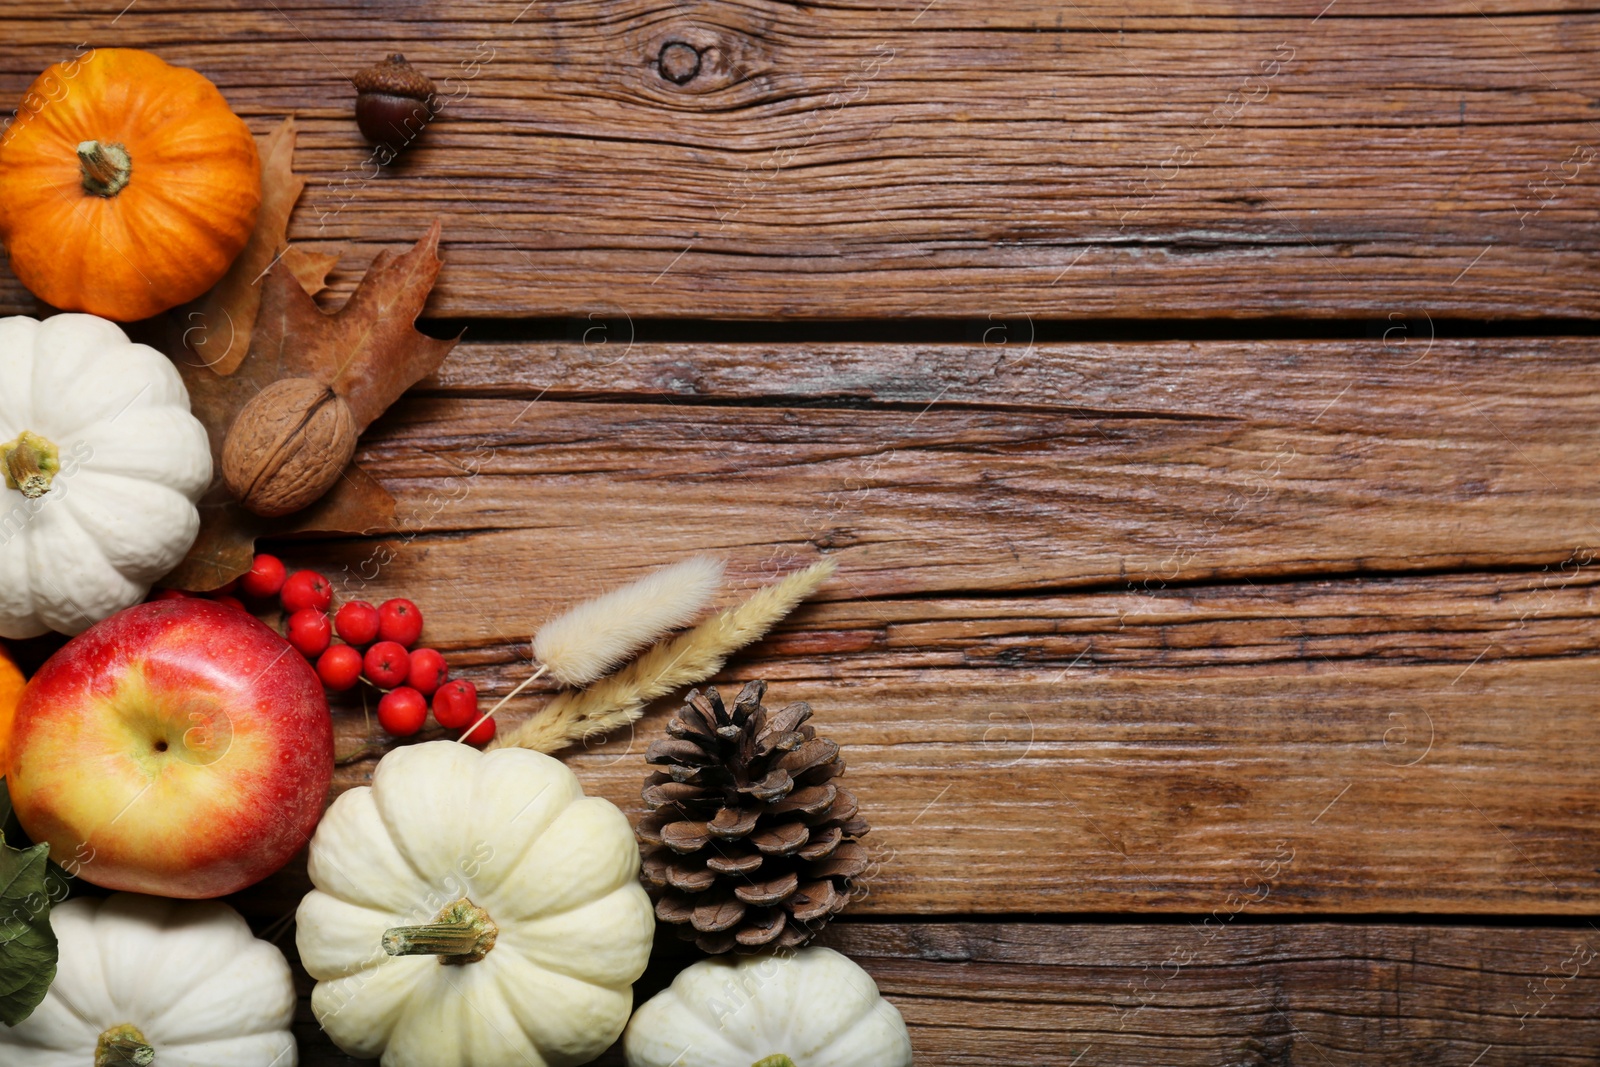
x=1200 y=397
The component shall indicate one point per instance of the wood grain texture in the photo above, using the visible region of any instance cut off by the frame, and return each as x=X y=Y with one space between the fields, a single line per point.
x=1236 y=632
x=959 y=158
x=1013 y=466
x=1214 y=990
x=1396 y=789
x=1219 y=993
x=1087 y=651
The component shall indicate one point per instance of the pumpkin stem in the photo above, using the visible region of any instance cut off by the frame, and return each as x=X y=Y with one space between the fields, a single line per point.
x=106 y=168
x=463 y=933
x=123 y=1046
x=777 y=1059
x=31 y=464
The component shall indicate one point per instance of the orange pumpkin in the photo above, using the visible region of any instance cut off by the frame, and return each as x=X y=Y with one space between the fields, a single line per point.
x=11 y=686
x=127 y=187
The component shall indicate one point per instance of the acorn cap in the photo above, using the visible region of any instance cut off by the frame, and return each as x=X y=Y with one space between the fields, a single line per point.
x=395 y=77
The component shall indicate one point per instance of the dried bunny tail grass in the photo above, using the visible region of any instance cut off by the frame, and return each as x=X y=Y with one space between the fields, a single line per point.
x=581 y=645
x=584 y=643
x=687 y=659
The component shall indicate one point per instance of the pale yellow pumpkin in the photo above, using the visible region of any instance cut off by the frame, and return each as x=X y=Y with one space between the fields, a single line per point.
x=474 y=910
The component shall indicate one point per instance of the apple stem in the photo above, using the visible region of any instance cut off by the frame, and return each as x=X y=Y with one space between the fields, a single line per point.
x=123 y=1046
x=31 y=464
x=463 y=933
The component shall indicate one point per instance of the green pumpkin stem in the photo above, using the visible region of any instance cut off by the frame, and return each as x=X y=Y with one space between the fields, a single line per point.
x=31 y=464
x=432 y=939
x=123 y=1046
x=106 y=168
x=463 y=933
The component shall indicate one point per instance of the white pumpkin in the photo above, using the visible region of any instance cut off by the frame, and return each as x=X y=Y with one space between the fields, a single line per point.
x=814 y=1008
x=111 y=465
x=474 y=910
x=186 y=980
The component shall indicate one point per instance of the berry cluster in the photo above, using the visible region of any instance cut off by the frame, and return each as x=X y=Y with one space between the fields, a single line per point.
x=388 y=634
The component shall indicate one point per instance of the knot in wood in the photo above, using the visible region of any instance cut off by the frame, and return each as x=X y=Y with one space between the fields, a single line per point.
x=679 y=62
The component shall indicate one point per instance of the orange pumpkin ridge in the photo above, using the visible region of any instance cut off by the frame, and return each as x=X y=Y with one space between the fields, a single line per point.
x=127 y=186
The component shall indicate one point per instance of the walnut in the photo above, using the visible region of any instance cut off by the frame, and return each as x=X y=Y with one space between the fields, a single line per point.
x=288 y=446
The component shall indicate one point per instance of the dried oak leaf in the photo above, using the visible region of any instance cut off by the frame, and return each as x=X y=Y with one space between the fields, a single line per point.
x=217 y=327
x=312 y=267
x=227 y=542
x=369 y=352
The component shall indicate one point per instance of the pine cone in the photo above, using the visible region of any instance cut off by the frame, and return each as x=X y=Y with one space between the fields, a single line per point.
x=748 y=841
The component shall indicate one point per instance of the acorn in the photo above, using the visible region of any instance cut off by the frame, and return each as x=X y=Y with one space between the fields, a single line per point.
x=394 y=102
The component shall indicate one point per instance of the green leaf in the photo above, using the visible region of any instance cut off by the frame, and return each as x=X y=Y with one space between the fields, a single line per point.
x=28 y=947
x=58 y=880
x=9 y=826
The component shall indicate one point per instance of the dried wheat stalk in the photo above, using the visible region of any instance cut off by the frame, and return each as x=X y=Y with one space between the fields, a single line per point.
x=687 y=659
x=586 y=641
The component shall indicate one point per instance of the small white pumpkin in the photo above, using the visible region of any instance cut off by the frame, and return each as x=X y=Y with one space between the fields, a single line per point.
x=474 y=910
x=814 y=1008
x=102 y=465
x=138 y=975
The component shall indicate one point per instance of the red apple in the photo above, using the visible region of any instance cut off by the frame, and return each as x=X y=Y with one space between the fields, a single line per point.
x=179 y=748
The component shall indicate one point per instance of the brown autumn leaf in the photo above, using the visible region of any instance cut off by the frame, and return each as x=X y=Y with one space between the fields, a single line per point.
x=226 y=545
x=217 y=327
x=368 y=351
x=310 y=267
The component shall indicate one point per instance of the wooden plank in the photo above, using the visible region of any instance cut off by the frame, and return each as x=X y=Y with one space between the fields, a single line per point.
x=1188 y=993
x=954 y=468
x=1221 y=159
x=1211 y=990
x=1397 y=371
x=1448 y=789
